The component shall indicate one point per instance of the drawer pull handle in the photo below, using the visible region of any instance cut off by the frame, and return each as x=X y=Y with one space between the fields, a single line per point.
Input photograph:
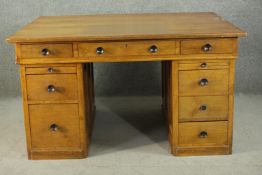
x=153 y=49
x=203 y=134
x=50 y=70
x=203 y=65
x=207 y=47
x=45 y=52
x=203 y=107
x=51 y=88
x=203 y=82
x=54 y=127
x=100 y=50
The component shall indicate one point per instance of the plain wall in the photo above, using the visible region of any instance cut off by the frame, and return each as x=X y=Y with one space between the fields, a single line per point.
x=141 y=78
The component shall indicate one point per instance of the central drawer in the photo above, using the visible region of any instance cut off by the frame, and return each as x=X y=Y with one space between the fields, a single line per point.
x=54 y=126
x=131 y=48
x=52 y=87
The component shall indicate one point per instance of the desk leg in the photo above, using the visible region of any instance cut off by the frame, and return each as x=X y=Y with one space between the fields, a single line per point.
x=171 y=101
x=89 y=96
x=164 y=87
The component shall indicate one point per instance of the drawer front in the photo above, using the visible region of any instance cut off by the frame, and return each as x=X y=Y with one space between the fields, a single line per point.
x=127 y=48
x=203 y=108
x=203 y=133
x=203 y=82
x=50 y=69
x=202 y=65
x=209 y=46
x=47 y=51
x=54 y=126
x=52 y=87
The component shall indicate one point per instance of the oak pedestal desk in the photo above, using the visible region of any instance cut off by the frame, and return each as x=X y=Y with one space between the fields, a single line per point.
x=197 y=51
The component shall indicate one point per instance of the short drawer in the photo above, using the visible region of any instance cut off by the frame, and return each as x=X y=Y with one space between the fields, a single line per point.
x=46 y=51
x=203 y=82
x=52 y=87
x=203 y=108
x=209 y=46
x=50 y=69
x=126 y=48
x=203 y=65
x=54 y=126
x=203 y=133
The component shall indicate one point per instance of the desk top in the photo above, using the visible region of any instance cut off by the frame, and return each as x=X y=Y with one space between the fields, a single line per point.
x=125 y=27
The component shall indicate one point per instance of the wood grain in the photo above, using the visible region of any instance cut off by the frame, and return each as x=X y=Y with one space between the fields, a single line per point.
x=127 y=58
x=165 y=47
x=202 y=151
x=194 y=46
x=174 y=103
x=55 y=70
x=189 y=82
x=26 y=112
x=231 y=104
x=83 y=116
x=216 y=108
x=72 y=42
x=126 y=27
x=55 y=50
x=198 y=65
x=65 y=87
x=65 y=116
x=57 y=154
x=189 y=133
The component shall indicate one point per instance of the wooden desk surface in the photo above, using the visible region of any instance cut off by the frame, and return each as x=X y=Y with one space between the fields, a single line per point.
x=125 y=27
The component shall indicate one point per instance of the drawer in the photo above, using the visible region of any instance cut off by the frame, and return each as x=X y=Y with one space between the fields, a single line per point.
x=209 y=46
x=203 y=108
x=46 y=51
x=52 y=87
x=127 y=48
x=203 y=133
x=50 y=69
x=54 y=126
x=203 y=65
x=203 y=82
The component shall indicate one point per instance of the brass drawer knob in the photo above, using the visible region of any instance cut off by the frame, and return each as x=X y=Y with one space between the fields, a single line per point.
x=203 y=108
x=203 y=82
x=203 y=134
x=54 y=127
x=100 y=50
x=51 y=88
x=153 y=49
x=45 y=52
x=203 y=65
x=207 y=47
x=50 y=70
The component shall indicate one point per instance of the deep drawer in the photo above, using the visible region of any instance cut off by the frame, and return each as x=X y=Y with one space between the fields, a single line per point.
x=203 y=133
x=54 y=126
